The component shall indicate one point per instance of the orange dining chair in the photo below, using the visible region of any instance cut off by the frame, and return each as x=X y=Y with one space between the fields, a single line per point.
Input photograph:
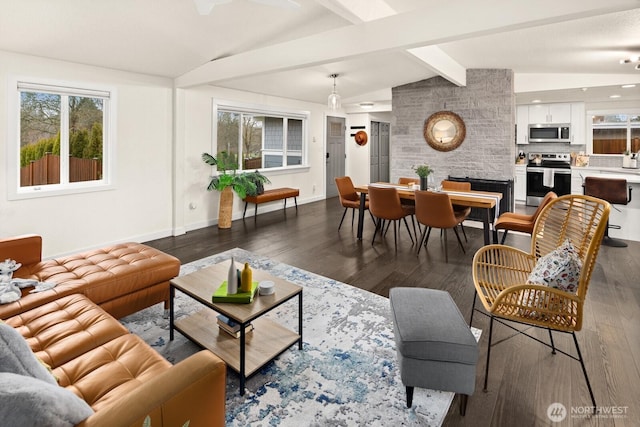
x=384 y=204
x=405 y=181
x=435 y=210
x=410 y=205
x=459 y=209
x=349 y=198
x=522 y=222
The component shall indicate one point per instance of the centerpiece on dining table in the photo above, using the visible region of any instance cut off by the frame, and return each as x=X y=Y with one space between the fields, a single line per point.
x=424 y=171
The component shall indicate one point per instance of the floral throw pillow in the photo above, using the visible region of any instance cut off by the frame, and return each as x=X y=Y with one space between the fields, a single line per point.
x=558 y=269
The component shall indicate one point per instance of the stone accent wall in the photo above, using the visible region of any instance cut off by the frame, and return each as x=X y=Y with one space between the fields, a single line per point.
x=487 y=106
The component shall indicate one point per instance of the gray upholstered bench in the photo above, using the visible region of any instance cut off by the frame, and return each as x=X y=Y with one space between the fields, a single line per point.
x=436 y=349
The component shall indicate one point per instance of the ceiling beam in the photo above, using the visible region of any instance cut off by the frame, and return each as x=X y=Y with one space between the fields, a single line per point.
x=422 y=27
x=439 y=62
x=432 y=57
x=356 y=11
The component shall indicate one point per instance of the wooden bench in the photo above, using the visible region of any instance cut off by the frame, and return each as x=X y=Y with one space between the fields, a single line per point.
x=270 y=196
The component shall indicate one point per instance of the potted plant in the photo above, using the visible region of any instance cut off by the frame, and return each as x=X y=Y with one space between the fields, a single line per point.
x=228 y=180
x=423 y=171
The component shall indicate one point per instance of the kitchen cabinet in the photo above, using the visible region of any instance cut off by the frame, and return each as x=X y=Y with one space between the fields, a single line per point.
x=576 y=181
x=549 y=113
x=578 y=124
x=522 y=124
x=520 y=184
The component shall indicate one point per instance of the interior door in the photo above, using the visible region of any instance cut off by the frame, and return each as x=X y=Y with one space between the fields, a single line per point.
x=374 y=158
x=335 y=155
x=383 y=153
x=379 y=152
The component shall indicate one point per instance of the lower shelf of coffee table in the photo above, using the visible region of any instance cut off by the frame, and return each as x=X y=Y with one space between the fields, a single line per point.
x=267 y=340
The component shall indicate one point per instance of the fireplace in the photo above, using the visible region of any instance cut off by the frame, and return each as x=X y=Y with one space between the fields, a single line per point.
x=505 y=187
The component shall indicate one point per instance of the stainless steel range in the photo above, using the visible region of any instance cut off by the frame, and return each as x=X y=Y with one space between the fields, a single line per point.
x=547 y=172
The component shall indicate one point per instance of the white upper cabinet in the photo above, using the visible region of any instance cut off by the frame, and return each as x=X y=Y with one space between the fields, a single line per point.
x=549 y=113
x=522 y=124
x=535 y=114
x=578 y=124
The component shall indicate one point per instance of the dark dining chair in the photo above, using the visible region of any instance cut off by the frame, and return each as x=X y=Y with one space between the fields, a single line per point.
x=385 y=205
x=614 y=191
x=434 y=210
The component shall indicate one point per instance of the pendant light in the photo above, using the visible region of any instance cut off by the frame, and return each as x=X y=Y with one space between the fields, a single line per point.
x=333 y=102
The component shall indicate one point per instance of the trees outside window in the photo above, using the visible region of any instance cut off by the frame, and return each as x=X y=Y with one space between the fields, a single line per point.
x=63 y=139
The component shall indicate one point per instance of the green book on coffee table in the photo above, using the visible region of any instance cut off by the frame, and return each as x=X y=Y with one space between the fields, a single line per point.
x=220 y=295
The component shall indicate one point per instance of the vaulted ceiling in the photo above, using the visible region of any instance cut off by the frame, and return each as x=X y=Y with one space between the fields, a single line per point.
x=372 y=44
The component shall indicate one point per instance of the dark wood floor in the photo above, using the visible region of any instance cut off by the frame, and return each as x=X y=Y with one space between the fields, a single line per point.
x=525 y=377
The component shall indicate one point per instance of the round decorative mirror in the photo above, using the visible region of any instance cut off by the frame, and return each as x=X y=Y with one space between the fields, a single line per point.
x=444 y=131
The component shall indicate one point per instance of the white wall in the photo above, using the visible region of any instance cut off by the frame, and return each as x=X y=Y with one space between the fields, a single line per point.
x=140 y=205
x=358 y=164
x=200 y=207
x=160 y=180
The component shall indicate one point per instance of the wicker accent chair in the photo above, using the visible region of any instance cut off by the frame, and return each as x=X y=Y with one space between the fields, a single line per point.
x=521 y=222
x=500 y=273
x=349 y=198
x=384 y=204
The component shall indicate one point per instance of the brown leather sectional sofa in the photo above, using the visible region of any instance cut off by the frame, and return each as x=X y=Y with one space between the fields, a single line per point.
x=122 y=278
x=123 y=379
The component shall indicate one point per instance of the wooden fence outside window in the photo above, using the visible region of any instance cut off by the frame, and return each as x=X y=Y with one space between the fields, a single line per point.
x=46 y=170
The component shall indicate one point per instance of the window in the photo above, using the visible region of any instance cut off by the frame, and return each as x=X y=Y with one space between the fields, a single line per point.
x=262 y=139
x=62 y=140
x=615 y=133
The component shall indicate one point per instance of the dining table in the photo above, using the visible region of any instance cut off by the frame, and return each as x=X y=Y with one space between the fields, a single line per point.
x=485 y=200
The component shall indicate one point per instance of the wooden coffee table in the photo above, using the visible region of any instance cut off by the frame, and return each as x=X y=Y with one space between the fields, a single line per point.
x=247 y=354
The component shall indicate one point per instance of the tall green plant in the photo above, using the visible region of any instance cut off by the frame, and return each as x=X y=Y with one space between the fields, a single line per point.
x=244 y=183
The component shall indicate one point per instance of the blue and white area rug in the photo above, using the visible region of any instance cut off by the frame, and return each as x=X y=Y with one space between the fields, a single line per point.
x=346 y=374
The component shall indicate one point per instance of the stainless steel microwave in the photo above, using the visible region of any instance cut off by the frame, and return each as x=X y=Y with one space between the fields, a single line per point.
x=550 y=133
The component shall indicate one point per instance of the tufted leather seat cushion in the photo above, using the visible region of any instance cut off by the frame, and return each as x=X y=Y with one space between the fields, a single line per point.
x=90 y=352
x=111 y=371
x=107 y=276
x=66 y=328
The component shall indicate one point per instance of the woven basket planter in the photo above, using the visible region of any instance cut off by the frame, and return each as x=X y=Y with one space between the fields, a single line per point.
x=226 y=208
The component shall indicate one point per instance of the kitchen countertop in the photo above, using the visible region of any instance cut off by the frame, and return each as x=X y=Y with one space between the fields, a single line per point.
x=631 y=175
x=624 y=171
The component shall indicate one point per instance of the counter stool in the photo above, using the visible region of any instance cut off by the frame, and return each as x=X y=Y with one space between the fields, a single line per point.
x=435 y=347
x=613 y=191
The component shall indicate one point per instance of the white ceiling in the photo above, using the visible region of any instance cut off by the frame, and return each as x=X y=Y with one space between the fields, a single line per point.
x=550 y=45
